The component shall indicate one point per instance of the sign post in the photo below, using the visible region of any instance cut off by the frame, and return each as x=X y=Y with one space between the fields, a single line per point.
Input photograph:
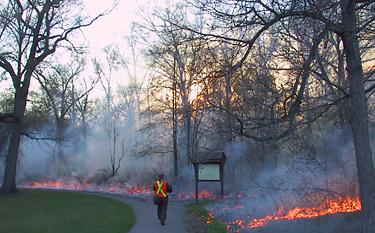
x=209 y=167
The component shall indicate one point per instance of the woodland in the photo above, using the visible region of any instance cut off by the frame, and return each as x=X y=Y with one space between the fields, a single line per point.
x=276 y=84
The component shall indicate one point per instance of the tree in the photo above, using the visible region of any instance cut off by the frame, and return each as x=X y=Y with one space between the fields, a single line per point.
x=31 y=31
x=346 y=18
x=60 y=83
x=179 y=61
x=113 y=111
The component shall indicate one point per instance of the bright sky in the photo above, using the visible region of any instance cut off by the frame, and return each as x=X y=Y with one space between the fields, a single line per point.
x=111 y=28
x=114 y=26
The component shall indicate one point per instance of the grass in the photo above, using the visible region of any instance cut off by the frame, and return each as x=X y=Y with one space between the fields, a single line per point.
x=199 y=211
x=40 y=211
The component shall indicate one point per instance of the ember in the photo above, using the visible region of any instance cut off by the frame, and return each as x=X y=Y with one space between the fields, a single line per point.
x=202 y=194
x=236 y=226
x=210 y=217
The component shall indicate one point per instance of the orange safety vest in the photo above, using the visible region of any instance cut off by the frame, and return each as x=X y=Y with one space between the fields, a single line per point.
x=161 y=189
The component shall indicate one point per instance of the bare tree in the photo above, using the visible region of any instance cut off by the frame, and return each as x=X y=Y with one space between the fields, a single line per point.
x=60 y=83
x=113 y=110
x=179 y=60
x=30 y=32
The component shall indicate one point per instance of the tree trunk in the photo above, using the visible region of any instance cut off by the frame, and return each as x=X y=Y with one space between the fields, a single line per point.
x=9 y=182
x=359 y=117
x=228 y=97
x=187 y=127
x=343 y=106
x=175 y=124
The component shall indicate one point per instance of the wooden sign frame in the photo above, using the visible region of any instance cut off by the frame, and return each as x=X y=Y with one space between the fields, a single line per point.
x=209 y=158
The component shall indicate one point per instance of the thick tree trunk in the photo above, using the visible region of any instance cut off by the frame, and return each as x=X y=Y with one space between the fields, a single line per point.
x=9 y=182
x=359 y=117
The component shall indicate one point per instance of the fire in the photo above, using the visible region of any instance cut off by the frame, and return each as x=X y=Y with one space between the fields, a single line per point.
x=57 y=184
x=239 y=223
x=210 y=217
x=204 y=194
x=138 y=189
x=327 y=207
x=116 y=188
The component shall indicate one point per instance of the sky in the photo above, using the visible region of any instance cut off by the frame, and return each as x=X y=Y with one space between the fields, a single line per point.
x=114 y=26
x=111 y=28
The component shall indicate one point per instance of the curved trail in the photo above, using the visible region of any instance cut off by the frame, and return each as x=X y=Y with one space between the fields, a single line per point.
x=147 y=220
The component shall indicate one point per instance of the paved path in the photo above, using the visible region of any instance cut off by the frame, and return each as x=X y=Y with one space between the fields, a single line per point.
x=147 y=220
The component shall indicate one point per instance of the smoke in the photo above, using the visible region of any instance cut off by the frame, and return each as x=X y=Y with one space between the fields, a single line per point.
x=306 y=179
x=35 y=159
x=88 y=158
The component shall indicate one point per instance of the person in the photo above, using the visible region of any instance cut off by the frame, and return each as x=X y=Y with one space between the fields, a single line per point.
x=161 y=189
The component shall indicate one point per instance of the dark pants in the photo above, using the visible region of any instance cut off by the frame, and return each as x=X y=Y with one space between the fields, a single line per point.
x=162 y=209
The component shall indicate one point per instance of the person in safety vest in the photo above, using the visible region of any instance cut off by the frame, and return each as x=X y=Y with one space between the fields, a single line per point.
x=161 y=189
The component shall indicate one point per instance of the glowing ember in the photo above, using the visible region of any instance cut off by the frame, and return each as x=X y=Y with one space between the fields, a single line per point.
x=202 y=195
x=210 y=217
x=138 y=189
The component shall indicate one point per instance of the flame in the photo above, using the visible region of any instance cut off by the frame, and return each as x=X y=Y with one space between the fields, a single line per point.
x=204 y=194
x=327 y=207
x=86 y=186
x=117 y=188
x=210 y=217
x=57 y=184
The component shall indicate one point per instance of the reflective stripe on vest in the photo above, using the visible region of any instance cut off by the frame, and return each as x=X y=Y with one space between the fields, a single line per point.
x=160 y=192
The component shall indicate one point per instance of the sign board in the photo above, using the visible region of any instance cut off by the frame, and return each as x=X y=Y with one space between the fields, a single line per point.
x=208 y=166
x=209 y=172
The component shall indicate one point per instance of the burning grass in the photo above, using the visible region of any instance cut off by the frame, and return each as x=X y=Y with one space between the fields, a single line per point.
x=73 y=185
x=35 y=211
x=324 y=207
x=327 y=207
x=205 y=221
x=124 y=189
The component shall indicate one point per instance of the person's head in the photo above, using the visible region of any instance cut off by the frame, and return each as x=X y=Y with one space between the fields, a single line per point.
x=161 y=177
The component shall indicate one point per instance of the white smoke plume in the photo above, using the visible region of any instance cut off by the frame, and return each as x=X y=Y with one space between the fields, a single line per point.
x=300 y=180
